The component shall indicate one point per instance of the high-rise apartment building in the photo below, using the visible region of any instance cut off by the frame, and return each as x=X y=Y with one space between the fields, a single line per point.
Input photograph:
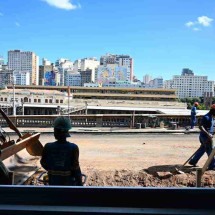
x=155 y=83
x=63 y=65
x=46 y=62
x=112 y=73
x=187 y=71
x=73 y=79
x=42 y=70
x=86 y=76
x=24 y=61
x=87 y=64
x=90 y=64
x=120 y=60
x=21 y=77
x=77 y=66
x=52 y=78
x=1 y=60
x=146 y=79
x=190 y=85
x=6 y=78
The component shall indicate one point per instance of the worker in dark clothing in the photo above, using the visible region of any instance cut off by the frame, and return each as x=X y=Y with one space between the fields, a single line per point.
x=206 y=138
x=61 y=158
x=193 y=114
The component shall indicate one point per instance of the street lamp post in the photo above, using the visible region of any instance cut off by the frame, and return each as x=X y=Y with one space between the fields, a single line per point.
x=68 y=100
x=14 y=104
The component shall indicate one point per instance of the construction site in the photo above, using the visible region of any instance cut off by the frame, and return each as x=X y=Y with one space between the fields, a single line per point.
x=122 y=145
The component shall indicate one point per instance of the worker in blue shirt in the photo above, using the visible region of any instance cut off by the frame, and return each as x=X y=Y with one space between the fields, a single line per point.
x=206 y=138
x=193 y=114
x=61 y=158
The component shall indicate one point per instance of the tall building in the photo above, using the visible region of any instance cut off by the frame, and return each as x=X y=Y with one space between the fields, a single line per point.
x=6 y=78
x=59 y=61
x=112 y=73
x=46 y=62
x=87 y=64
x=187 y=71
x=52 y=78
x=24 y=61
x=77 y=65
x=146 y=79
x=155 y=83
x=90 y=64
x=1 y=60
x=120 y=60
x=63 y=66
x=86 y=76
x=42 y=70
x=73 y=79
x=190 y=86
x=21 y=77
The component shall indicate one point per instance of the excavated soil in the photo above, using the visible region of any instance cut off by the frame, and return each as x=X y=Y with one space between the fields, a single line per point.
x=129 y=178
x=138 y=160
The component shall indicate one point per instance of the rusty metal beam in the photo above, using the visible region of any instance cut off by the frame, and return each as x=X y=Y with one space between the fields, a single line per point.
x=11 y=150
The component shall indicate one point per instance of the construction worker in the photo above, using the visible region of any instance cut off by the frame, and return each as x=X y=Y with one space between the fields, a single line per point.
x=193 y=114
x=61 y=158
x=206 y=138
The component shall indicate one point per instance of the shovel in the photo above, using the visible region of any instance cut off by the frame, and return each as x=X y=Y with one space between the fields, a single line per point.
x=178 y=170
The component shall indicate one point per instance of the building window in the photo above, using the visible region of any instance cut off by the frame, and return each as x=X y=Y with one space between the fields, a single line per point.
x=61 y=101
x=1 y=99
x=5 y=99
x=39 y=100
x=57 y=101
x=50 y=100
x=35 y=100
x=46 y=100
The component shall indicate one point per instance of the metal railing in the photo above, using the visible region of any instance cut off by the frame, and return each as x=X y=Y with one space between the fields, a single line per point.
x=103 y=120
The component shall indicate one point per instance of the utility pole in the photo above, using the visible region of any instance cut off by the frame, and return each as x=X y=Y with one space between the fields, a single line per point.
x=68 y=100
x=23 y=108
x=14 y=104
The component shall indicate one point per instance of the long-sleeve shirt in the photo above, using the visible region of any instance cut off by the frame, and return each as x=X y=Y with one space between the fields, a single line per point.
x=193 y=111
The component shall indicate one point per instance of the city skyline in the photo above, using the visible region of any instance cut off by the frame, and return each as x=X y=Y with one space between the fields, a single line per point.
x=162 y=38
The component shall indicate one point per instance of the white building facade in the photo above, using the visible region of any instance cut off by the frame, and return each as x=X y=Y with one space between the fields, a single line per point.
x=87 y=64
x=190 y=86
x=21 y=77
x=146 y=79
x=155 y=83
x=73 y=79
x=24 y=61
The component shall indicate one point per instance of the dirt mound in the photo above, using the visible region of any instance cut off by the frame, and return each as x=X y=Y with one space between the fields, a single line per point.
x=142 y=178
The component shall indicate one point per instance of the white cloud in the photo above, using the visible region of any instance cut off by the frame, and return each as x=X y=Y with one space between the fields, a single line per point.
x=1 y=14
x=205 y=21
x=17 y=24
x=201 y=21
x=196 y=29
x=190 y=24
x=62 y=4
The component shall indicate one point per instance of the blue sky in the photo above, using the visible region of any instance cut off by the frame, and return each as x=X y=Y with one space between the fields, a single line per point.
x=163 y=36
